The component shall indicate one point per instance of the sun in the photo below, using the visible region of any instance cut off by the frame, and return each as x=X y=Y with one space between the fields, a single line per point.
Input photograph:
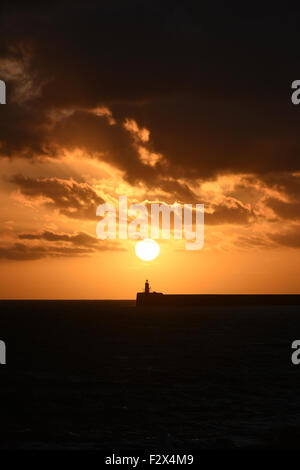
x=147 y=250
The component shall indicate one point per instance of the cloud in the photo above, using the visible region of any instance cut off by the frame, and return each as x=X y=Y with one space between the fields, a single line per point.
x=223 y=214
x=24 y=132
x=55 y=245
x=175 y=191
x=191 y=85
x=23 y=252
x=289 y=237
x=286 y=183
x=249 y=241
x=285 y=210
x=283 y=194
x=176 y=98
x=72 y=199
x=230 y=212
x=80 y=238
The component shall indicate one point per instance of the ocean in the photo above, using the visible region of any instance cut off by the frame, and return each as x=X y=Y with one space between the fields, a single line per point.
x=105 y=375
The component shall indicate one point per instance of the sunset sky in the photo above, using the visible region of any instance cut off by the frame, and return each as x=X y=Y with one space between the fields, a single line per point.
x=162 y=102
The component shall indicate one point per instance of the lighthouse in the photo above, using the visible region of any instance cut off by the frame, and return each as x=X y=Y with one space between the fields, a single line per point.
x=147 y=298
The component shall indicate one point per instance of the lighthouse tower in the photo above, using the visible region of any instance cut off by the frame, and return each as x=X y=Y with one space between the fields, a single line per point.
x=147 y=298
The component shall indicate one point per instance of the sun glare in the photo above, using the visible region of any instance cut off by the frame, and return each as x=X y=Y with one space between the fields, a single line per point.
x=147 y=250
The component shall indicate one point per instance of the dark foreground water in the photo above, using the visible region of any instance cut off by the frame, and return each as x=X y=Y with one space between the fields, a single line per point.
x=95 y=374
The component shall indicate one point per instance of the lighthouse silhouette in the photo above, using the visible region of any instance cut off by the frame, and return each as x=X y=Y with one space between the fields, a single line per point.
x=147 y=298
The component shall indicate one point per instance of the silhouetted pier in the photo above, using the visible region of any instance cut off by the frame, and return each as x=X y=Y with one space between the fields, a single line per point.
x=148 y=298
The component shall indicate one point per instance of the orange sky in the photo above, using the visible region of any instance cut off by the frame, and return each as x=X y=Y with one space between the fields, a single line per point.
x=236 y=257
x=161 y=105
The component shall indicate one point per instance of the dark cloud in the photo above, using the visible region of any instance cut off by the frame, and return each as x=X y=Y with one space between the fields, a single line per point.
x=59 y=245
x=30 y=133
x=211 y=84
x=236 y=214
x=231 y=212
x=286 y=183
x=288 y=187
x=23 y=252
x=245 y=241
x=108 y=142
x=24 y=132
x=285 y=210
x=80 y=238
x=289 y=238
x=176 y=190
x=201 y=136
x=72 y=199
